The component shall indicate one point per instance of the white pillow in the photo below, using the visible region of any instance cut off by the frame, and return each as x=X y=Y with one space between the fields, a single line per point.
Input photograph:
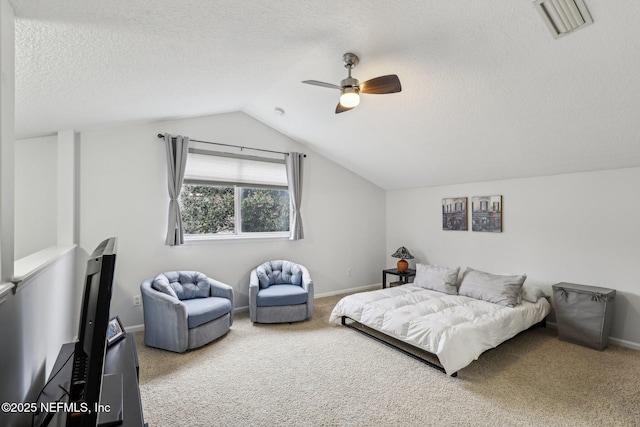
x=496 y=288
x=531 y=293
x=437 y=278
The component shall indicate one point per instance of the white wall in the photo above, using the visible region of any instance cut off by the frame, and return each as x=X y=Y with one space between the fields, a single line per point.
x=35 y=195
x=124 y=193
x=579 y=228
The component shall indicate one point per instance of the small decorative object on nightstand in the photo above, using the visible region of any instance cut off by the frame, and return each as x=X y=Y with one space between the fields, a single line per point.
x=404 y=254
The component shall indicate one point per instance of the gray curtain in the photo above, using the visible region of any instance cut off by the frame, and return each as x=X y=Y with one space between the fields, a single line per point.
x=177 y=149
x=294 y=177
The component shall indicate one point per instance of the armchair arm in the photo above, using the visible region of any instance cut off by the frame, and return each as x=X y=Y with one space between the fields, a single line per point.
x=165 y=319
x=307 y=285
x=306 y=277
x=222 y=290
x=254 y=287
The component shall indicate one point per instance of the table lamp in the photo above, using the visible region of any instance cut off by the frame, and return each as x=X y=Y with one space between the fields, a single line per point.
x=404 y=254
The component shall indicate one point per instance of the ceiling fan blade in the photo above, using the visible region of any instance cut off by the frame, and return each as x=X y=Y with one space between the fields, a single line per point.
x=382 y=85
x=342 y=109
x=323 y=84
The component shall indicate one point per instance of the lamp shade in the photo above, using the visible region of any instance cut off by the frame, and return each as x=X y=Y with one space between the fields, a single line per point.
x=402 y=253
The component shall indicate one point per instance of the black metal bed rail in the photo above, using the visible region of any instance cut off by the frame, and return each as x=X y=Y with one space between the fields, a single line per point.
x=395 y=347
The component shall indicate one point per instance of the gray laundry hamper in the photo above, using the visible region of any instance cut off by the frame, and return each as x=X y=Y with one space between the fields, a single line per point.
x=584 y=314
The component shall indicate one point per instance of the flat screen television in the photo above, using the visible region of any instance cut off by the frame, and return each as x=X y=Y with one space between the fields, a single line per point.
x=88 y=358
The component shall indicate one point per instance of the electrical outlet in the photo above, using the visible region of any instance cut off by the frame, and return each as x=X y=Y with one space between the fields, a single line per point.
x=137 y=301
x=349 y=272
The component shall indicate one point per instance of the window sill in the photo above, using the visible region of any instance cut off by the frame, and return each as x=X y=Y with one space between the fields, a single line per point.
x=32 y=265
x=196 y=239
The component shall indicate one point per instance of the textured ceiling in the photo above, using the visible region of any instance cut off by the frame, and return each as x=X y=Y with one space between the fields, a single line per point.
x=487 y=94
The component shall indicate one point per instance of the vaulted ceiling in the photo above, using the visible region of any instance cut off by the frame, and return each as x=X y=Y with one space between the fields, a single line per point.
x=487 y=92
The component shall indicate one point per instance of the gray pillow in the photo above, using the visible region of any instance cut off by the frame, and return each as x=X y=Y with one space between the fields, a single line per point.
x=437 y=278
x=495 y=288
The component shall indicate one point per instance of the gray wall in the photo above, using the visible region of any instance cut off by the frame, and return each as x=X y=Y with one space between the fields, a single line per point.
x=33 y=325
x=35 y=195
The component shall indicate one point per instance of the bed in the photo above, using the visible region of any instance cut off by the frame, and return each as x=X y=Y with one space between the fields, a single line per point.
x=455 y=323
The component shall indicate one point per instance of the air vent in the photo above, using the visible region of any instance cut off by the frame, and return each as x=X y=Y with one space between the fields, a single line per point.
x=563 y=16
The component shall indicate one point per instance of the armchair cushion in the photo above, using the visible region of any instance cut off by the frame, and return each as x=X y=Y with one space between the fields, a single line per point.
x=278 y=273
x=278 y=295
x=183 y=285
x=203 y=310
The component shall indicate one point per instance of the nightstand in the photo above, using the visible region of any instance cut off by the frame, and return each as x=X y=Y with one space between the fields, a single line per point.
x=403 y=275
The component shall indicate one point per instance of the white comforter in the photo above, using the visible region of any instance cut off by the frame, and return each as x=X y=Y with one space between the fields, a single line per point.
x=455 y=328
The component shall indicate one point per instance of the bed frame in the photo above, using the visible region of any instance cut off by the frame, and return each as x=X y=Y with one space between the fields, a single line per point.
x=350 y=325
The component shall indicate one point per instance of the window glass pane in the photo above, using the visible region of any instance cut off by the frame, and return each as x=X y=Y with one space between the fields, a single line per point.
x=264 y=210
x=207 y=209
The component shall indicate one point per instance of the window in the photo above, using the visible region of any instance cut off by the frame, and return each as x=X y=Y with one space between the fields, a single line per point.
x=230 y=195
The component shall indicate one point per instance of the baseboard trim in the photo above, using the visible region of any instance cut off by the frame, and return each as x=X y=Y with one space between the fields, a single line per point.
x=624 y=343
x=551 y=325
x=350 y=290
x=135 y=328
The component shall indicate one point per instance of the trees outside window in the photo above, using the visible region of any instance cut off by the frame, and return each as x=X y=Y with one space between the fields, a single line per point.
x=207 y=209
x=264 y=210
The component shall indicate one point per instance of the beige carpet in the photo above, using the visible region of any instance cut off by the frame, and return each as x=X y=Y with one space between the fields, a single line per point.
x=316 y=374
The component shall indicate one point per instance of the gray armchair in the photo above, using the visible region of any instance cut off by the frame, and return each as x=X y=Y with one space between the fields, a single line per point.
x=184 y=310
x=279 y=292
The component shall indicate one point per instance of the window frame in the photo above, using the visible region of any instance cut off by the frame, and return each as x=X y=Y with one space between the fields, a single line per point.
x=237 y=185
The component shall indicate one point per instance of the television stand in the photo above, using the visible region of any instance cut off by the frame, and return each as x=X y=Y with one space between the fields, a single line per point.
x=121 y=368
x=112 y=397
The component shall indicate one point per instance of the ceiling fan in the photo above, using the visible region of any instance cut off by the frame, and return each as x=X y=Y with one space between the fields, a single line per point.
x=351 y=88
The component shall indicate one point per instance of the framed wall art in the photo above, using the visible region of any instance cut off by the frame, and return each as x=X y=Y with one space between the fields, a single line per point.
x=486 y=213
x=454 y=213
x=115 y=331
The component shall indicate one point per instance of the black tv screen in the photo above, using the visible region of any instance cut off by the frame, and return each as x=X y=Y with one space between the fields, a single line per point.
x=88 y=363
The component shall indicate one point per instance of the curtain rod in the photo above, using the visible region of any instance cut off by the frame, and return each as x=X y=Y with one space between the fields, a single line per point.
x=161 y=136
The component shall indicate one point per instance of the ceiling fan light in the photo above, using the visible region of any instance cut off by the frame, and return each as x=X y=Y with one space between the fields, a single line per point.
x=350 y=97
